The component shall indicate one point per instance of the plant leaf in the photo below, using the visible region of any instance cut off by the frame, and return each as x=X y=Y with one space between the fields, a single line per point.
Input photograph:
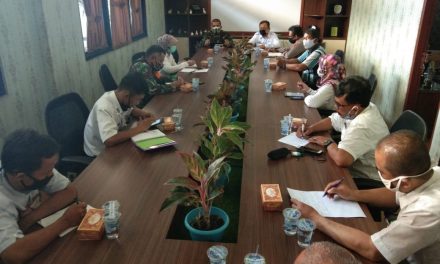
x=184 y=182
x=177 y=198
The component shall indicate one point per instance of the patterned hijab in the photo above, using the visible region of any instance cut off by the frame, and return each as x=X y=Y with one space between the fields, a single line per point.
x=334 y=70
x=166 y=41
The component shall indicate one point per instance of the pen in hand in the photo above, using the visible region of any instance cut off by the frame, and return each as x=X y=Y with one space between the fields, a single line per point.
x=334 y=186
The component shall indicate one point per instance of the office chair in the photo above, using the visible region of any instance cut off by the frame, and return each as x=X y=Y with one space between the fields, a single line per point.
x=66 y=117
x=106 y=77
x=411 y=121
x=373 y=82
x=137 y=56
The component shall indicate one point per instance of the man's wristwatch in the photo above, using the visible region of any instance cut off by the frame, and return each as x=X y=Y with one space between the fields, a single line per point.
x=327 y=143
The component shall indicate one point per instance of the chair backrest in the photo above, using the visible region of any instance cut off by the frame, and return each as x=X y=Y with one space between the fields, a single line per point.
x=411 y=121
x=137 y=56
x=107 y=78
x=66 y=117
x=373 y=82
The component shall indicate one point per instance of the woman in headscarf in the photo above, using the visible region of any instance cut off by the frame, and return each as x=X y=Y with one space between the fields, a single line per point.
x=170 y=67
x=331 y=71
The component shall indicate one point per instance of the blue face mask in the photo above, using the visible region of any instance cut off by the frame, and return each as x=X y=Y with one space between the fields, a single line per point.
x=173 y=48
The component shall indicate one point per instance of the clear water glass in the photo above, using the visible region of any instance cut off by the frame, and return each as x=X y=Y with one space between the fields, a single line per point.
x=291 y=216
x=195 y=84
x=266 y=63
x=305 y=232
x=217 y=254
x=177 y=118
x=268 y=85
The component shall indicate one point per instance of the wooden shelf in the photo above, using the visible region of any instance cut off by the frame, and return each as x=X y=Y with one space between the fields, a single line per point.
x=337 y=16
x=314 y=16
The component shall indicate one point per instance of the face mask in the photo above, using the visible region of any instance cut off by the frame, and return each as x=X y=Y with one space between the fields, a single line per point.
x=38 y=184
x=173 y=48
x=308 y=43
x=291 y=40
x=320 y=72
x=399 y=179
x=263 y=32
x=155 y=67
x=349 y=115
x=215 y=29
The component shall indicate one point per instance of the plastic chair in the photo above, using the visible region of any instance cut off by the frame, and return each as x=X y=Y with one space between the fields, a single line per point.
x=137 y=56
x=66 y=117
x=373 y=82
x=107 y=78
x=411 y=121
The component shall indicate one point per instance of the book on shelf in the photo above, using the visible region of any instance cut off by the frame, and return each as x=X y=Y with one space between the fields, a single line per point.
x=152 y=139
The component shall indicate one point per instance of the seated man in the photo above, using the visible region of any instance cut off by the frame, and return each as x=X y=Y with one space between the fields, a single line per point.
x=361 y=126
x=296 y=39
x=307 y=63
x=150 y=67
x=403 y=162
x=216 y=35
x=108 y=122
x=326 y=252
x=265 y=39
x=31 y=189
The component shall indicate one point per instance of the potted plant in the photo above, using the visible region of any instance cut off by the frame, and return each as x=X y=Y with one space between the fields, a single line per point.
x=204 y=222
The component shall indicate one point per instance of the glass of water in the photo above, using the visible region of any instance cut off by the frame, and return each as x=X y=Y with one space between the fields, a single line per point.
x=266 y=63
x=268 y=85
x=305 y=232
x=177 y=118
x=291 y=216
x=217 y=254
x=195 y=84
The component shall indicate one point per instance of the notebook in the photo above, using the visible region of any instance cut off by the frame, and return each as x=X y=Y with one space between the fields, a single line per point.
x=152 y=139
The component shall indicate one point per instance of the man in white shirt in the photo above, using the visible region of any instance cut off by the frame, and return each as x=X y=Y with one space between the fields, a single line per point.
x=108 y=122
x=265 y=39
x=403 y=162
x=31 y=189
x=361 y=126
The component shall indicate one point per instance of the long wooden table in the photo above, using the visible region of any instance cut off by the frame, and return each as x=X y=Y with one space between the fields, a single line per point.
x=136 y=178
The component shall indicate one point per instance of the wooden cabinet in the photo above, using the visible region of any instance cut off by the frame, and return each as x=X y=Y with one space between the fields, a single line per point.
x=188 y=18
x=331 y=16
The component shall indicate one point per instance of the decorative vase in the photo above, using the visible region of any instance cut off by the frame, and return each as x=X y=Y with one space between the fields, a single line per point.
x=206 y=235
x=337 y=9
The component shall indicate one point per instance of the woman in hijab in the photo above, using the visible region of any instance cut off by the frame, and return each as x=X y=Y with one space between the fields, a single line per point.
x=331 y=71
x=170 y=67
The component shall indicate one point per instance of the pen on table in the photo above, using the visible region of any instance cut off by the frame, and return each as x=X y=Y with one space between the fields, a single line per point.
x=334 y=186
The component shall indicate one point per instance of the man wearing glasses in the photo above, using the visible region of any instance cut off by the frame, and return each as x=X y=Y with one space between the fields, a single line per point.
x=361 y=126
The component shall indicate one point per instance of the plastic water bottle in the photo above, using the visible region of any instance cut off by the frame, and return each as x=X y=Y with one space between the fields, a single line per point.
x=111 y=219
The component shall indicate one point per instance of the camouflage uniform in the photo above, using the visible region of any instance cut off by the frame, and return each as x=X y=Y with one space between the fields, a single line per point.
x=216 y=37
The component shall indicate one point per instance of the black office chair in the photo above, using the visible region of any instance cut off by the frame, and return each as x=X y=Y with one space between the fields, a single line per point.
x=137 y=56
x=66 y=117
x=411 y=121
x=373 y=82
x=107 y=78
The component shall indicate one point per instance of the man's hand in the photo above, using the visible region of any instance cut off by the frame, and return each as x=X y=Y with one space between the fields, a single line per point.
x=281 y=62
x=306 y=210
x=144 y=124
x=262 y=46
x=177 y=83
x=227 y=43
x=74 y=214
x=342 y=190
x=304 y=134
x=207 y=42
x=302 y=87
x=191 y=62
x=320 y=140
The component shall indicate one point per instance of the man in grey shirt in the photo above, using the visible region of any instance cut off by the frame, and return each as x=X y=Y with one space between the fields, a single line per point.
x=296 y=39
x=31 y=189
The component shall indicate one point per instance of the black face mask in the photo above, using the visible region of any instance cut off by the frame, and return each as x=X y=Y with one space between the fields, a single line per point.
x=38 y=184
x=263 y=32
x=291 y=40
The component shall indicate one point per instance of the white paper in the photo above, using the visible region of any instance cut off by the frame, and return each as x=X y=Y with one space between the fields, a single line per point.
x=327 y=207
x=275 y=54
x=293 y=140
x=202 y=70
x=148 y=135
x=188 y=70
x=55 y=216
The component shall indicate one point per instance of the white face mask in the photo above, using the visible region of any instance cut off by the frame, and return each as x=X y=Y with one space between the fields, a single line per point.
x=387 y=183
x=320 y=72
x=308 y=43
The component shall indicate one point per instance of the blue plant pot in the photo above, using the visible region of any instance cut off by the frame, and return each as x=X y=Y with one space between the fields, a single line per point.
x=202 y=235
x=234 y=117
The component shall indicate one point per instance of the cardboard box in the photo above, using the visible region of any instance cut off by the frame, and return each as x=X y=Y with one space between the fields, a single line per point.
x=271 y=197
x=278 y=86
x=273 y=65
x=92 y=225
x=204 y=64
x=186 y=87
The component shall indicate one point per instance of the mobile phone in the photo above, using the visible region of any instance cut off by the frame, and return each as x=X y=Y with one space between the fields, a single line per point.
x=294 y=96
x=156 y=123
x=311 y=151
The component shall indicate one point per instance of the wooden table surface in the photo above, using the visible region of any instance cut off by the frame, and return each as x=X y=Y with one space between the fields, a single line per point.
x=136 y=179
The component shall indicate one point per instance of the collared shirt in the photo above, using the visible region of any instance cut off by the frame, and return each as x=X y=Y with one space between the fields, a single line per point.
x=311 y=59
x=105 y=120
x=12 y=202
x=296 y=49
x=359 y=138
x=416 y=232
x=270 y=41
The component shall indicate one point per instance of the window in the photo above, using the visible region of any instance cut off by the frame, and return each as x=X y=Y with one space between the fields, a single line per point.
x=110 y=24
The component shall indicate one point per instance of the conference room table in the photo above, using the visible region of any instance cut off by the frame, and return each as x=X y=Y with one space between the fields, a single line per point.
x=136 y=179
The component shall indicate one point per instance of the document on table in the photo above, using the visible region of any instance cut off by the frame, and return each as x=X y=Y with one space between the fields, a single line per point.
x=327 y=207
x=188 y=69
x=55 y=216
x=293 y=140
x=275 y=54
x=201 y=70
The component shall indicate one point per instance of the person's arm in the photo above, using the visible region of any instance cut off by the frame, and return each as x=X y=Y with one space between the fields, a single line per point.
x=122 y=136
x=170 y=66
x=319 y=97
x=341 y=157
x=254 y=39
x=139 y=113
x=274 y=41
x=54 y=203
x=298 y=67
x=322 y=125
x=30 y=245
x=349 y=237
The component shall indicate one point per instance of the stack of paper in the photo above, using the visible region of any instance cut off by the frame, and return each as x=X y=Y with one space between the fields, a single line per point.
x=152 y=139
x=293 y=140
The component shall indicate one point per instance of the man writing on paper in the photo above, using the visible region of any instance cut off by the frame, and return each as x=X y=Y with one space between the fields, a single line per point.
x=403 y=163
x=31 y=189
x=108 y=122
x=361 y=126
